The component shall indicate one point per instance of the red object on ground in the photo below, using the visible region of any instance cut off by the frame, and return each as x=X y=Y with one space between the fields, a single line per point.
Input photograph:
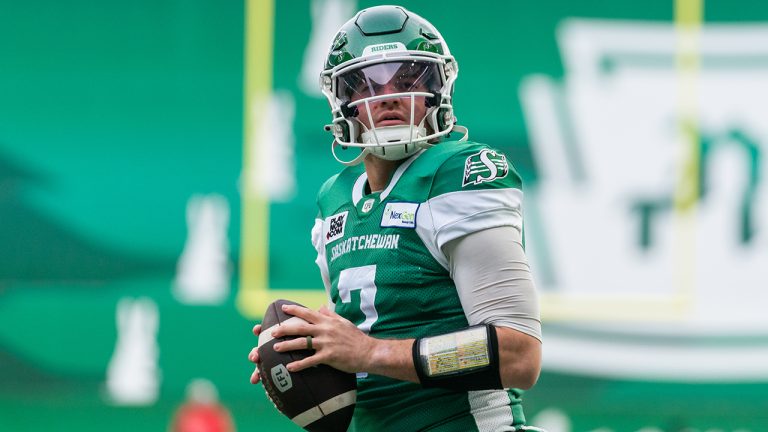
x=202 y=417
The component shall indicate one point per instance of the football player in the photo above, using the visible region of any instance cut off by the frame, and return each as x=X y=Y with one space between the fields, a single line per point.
x=419 y=244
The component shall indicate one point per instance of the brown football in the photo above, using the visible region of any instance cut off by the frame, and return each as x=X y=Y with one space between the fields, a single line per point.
x=320 y=398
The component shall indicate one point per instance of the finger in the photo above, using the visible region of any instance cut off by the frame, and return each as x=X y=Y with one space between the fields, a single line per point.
x=304 y=363
x=294 y=328
x=253 y=356
x=257 y=329
x=307 y=314
x=300 y=343
x=329 y=312
x=325 y=310
x=255 y=376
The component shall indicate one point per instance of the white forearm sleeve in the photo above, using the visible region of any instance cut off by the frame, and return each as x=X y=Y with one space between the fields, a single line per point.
x=493 y=279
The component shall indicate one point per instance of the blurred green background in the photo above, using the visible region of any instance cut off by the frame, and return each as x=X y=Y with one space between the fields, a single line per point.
x=121 y=159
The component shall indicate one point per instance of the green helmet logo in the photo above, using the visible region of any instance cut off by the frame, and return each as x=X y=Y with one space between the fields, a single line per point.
x=387 y=53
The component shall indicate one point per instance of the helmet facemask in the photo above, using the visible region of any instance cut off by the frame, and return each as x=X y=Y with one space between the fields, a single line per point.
x=359 y=91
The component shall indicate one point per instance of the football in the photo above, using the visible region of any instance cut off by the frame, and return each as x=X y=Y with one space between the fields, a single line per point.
x=320 y=398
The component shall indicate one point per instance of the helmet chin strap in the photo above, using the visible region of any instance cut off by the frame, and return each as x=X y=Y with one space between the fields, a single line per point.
x=363 y=153
x=386 y=134
x=462 y=130
x=370 y=150
x=395 y=142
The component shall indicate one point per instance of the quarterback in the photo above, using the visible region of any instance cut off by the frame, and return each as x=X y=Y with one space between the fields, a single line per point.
x=419 y=244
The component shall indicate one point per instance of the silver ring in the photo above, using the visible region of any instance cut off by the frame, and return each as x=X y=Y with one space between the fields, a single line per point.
x=309 y=342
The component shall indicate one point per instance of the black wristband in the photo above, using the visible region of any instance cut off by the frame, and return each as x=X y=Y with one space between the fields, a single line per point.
x=472 y=366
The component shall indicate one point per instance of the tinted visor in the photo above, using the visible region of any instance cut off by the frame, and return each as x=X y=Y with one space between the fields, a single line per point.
x=388 y=78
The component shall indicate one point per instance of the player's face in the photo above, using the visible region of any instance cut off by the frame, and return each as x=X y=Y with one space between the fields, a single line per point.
x=387 y=79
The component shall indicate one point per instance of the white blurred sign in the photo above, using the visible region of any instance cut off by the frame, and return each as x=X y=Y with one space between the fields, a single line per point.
x=133 y=374
x=606 y=240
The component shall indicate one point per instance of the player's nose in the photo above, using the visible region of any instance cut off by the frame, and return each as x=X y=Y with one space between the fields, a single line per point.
x=388 y=90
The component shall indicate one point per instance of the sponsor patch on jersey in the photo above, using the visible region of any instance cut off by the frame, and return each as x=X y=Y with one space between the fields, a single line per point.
x=333 y=226
x=400 y=215
x=485 y=166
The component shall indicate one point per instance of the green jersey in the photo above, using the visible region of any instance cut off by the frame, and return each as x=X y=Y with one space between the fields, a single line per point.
x=381 y=258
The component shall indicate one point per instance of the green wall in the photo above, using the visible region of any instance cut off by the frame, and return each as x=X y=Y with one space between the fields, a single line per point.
x=114 y=114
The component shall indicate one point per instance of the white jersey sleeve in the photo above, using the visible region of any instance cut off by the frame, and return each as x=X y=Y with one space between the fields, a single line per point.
x=322 y=264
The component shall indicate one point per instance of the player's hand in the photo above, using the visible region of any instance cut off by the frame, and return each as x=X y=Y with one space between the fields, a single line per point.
x=336 y=341
x=253 y=357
